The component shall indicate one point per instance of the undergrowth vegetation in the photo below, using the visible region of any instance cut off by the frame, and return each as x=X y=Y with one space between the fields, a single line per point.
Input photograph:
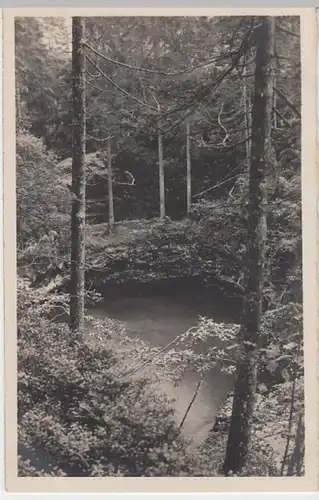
x=94 y=407
x=75 y=403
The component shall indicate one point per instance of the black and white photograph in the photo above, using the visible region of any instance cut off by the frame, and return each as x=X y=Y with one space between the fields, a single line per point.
x=159 y=246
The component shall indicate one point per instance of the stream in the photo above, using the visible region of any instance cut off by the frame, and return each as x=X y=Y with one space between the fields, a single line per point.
x=157 y=318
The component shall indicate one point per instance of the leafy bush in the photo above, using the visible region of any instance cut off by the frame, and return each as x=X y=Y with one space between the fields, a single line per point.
x=43 y=207
x=79 y=412
x=43 y=201
x=280 y=394
x=88 y=407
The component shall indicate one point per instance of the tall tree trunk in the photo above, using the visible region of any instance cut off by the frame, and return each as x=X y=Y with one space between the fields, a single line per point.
x=247 y=121
x=249 y=337
x=189 y=166
x=157 y=54
x=291 y=414
x=249 y=126
x=18 y=107
x=275 y=120
x=161 y=170
x=295 y=465
x=78 y=178
x=110 y=183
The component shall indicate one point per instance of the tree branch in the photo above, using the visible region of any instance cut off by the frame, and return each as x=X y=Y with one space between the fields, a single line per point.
x=231 y=146
x=222 y=126
x=235 y=60
x=91 y=74
x=94 y=86
x=97 y=139
x=155 y=72
x=225 y=179
x=290 y=104
x=288 y=32
x=118 y=87
x=132 y=183
x=158 y=353
x=282 y=117
x=132 y=177
x=199 y=383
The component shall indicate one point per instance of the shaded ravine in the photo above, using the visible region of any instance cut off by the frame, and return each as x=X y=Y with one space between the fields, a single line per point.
x=158 y=318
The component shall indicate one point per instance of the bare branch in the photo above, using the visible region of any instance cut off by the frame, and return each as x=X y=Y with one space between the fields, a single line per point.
x=128 y=66
x=158 y=353
x=222 y=126
x=132 y=183
x=282 y=117
x=198 y=386
x=156 y=72
x=118 y=87
x=239 y=143
x=216 y=185
x=157 y=103
x=230 y=194
x=288 y=32
x=288 y=101
x=105 y=177
x=132 y=178
x=91 y=74
x=94 y=86
x=97 y=139
x=207 y=92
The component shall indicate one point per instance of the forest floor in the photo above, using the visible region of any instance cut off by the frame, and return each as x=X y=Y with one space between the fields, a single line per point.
x=124 y=232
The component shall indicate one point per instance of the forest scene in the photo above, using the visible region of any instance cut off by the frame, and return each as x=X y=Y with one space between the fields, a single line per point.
x=159 y=246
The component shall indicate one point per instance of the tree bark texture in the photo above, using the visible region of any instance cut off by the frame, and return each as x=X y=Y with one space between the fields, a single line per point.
x=246 y=377
x=78 y=178
x=189 y=167
x=295 y=466
x=110 y=183
x=18 y=107
x=275 y=121
x=161 y=170
x=247 y=121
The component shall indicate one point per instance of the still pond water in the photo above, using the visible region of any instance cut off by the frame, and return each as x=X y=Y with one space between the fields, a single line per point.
x=158 y=318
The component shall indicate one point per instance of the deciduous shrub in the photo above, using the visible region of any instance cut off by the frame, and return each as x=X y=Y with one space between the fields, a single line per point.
x=80 y=414
x=43 y=201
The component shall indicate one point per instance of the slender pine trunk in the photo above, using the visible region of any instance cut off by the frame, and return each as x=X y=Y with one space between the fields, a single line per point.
x=161 y=170
x=189 y=167
x=18 y=107
x=275 y=119
x=249 y=338
x=291 y=415
x=295 y=465
x=110 y=183
x=78 y=178
x=247 y=121
x=249 y=125
x=161 y=173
